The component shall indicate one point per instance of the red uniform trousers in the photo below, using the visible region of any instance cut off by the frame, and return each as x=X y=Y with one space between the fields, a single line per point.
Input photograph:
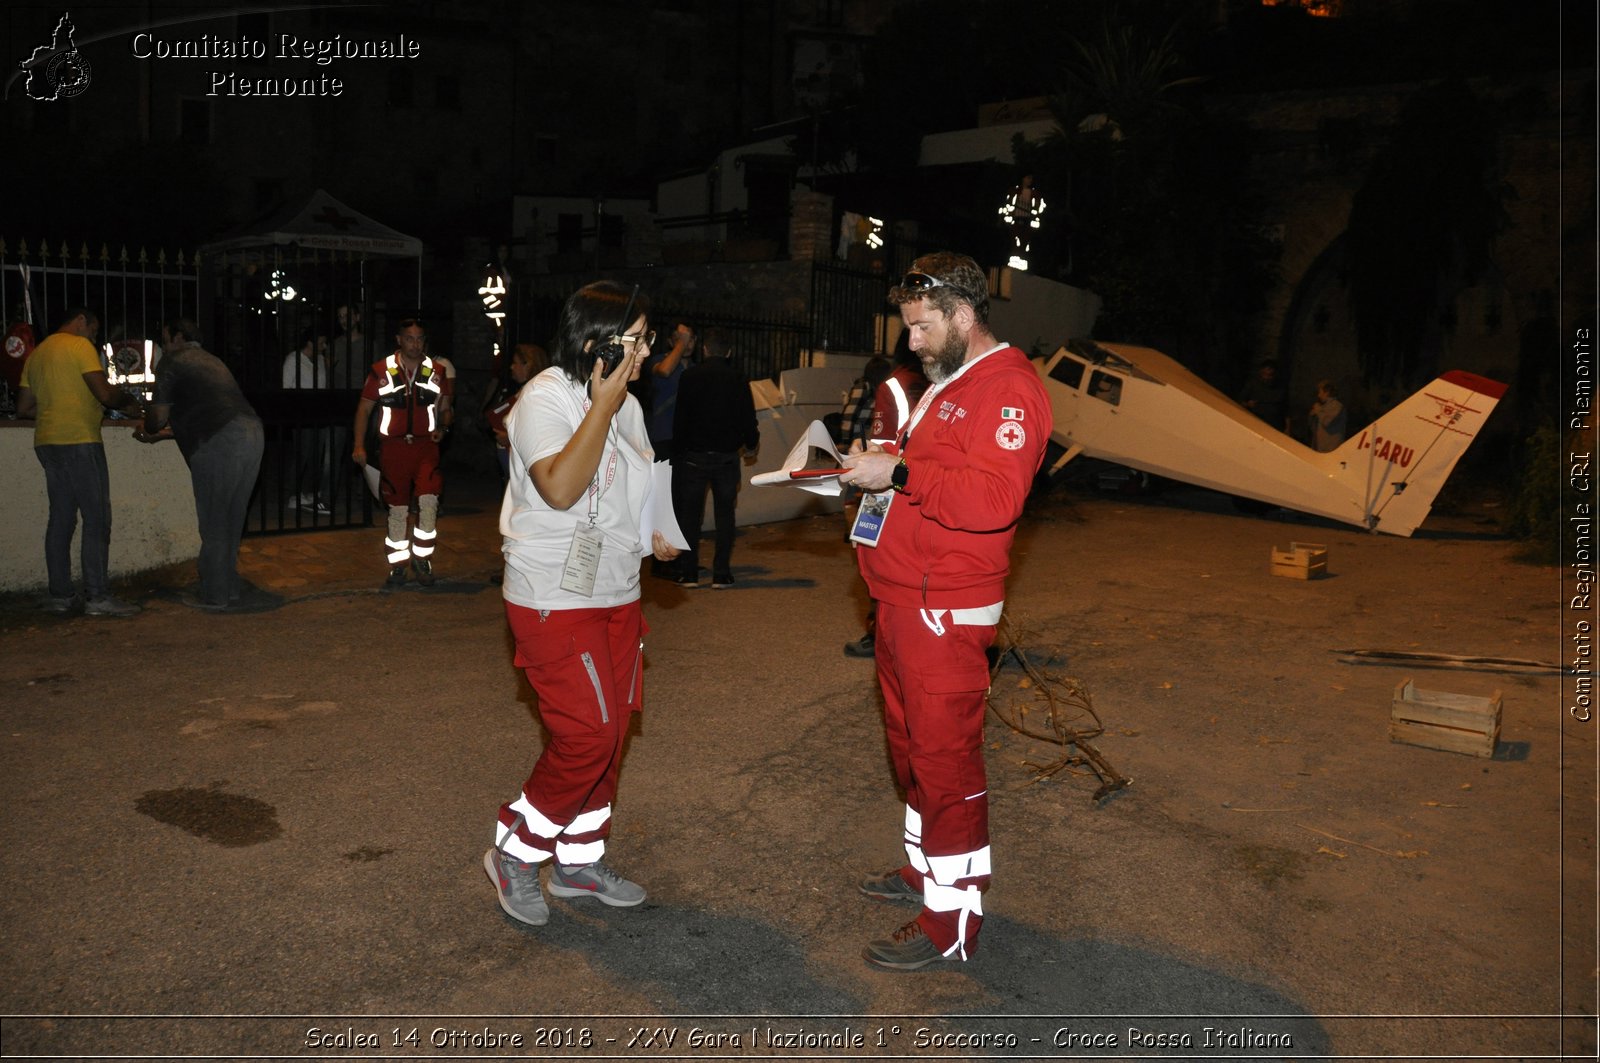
x=934 y=689
x=586 y=667
x=408 y=470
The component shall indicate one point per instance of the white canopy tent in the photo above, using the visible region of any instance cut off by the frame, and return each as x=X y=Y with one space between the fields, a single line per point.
x=322 y=223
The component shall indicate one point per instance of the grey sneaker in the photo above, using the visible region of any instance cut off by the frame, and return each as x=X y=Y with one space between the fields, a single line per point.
x=907 y=949
x=517 y=886
x=595 y=880
x=891 y=887
x=61 y=606
x=105 y=605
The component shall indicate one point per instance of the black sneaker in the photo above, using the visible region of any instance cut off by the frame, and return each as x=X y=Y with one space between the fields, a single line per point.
x=907 y=949
x=397 y=576
x=865 y=646
x=891 y=887
x=722 y=581
x=423 y=567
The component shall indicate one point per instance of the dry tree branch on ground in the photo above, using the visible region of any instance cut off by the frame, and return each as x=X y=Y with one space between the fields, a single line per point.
x=1067 y=705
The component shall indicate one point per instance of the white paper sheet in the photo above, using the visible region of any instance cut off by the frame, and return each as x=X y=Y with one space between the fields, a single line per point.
x=817 y=436
x=658 y=515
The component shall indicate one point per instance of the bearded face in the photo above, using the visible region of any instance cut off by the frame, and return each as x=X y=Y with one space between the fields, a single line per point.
x=941 y=363
x=935 y=339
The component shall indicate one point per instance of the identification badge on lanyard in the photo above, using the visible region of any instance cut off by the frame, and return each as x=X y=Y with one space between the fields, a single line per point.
x=583 y=560
x=871 y=516
x=583 y=556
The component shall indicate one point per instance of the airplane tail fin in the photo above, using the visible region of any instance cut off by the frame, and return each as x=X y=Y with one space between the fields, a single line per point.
x=1398 y=463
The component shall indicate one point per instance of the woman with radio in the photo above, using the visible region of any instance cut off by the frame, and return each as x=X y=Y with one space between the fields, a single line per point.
x=573 y=527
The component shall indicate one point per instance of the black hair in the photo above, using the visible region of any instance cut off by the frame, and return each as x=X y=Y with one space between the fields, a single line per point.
x=182 y=326
x=75 y=312
x=877 y=370
x=591 y=316
x=716 y=342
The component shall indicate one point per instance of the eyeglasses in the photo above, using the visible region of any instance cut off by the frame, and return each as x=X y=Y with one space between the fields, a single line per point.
x=647 y=338
x=921 y=282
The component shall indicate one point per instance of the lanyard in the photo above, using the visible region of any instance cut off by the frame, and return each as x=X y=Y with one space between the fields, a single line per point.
x=595 y=488
x=928 y=396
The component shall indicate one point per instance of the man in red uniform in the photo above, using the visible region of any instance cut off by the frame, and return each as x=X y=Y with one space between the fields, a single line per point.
x=413 y=394
x=951 y=489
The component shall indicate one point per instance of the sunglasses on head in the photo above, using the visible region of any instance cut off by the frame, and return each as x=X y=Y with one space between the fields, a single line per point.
x=921 y=282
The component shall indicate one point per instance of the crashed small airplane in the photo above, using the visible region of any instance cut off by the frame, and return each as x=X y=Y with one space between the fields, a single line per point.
x=1137 y=407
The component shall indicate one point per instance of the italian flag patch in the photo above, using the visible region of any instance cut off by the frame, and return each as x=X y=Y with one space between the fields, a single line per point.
x=1011 y=413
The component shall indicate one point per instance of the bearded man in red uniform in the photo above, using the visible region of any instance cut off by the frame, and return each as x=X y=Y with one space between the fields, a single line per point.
x=953 y=483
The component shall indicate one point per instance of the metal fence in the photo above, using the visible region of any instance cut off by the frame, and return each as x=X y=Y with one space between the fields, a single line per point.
x=844 y=313
x=847 y=309
x=129 y=293
x=132 y=292
x=306 y=478
x=299 y=327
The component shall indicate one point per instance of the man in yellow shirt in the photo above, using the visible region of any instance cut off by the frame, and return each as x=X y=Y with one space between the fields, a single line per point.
x=64 y=387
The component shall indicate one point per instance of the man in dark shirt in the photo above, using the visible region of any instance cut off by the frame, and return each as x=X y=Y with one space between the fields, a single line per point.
x=715 y=417
x=1266 y=397
x=198 y=403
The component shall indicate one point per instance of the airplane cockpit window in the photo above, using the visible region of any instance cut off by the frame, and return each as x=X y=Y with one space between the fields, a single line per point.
x=1096 y=355
x=1107 y=387
x=1067 y=370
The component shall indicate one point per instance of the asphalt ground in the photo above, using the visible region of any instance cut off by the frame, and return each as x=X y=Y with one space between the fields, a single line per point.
x=261 y=835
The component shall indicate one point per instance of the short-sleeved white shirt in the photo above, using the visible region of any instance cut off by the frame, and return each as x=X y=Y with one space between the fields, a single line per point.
x=537 y=537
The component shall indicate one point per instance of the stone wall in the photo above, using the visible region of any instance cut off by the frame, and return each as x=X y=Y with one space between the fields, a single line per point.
x=152 y=507
x=1316 y=150
x=811 y=227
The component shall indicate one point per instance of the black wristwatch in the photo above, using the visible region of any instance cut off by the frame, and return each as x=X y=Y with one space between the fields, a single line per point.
x=897 y=478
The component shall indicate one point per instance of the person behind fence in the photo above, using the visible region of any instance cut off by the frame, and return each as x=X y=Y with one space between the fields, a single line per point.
x=64 y=386
x=571 y=521
x=306 y=368
x=345 y=356
x=951 y=489
x=198 y=403
x=413 y=396
x=716 y=417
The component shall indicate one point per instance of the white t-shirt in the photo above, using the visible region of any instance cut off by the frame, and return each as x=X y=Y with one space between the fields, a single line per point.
x=303 y=371
x=537 y=537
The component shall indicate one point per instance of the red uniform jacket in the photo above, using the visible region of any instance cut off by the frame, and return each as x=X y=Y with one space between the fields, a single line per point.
x=971 y=460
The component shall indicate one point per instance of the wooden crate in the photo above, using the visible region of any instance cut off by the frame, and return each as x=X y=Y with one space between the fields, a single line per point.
x=1300 y=561
x=1459 y=723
